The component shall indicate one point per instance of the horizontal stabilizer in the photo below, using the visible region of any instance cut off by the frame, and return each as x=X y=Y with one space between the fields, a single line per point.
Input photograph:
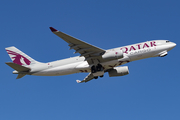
x=17 y=67
x=20 y=75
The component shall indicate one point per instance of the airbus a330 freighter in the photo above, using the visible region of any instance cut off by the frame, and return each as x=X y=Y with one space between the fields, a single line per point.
x=92 y=59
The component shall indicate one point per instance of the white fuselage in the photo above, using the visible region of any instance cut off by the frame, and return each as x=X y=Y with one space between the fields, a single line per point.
x=79 y=64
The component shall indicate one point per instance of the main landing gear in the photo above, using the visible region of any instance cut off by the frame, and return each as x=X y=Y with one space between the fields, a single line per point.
x=97 y=71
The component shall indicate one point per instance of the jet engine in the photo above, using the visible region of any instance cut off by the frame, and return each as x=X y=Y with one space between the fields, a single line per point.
x=118 y=71
x=113 y=55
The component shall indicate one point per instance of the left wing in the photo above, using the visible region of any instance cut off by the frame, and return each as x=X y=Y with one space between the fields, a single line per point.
x=86 y=79
x=85 y=49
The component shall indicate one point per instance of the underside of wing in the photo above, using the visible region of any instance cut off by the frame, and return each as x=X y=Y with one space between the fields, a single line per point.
x=84 y=49
x=86 y=79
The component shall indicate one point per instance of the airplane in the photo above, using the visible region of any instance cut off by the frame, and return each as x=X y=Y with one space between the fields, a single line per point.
x=93 y=60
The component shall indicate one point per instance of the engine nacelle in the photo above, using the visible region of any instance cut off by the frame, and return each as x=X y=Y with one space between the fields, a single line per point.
x=118 y=71
x=113 y=55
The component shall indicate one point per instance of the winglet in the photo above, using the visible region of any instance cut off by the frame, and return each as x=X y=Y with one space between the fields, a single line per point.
x=53 y=29
x=78 y=81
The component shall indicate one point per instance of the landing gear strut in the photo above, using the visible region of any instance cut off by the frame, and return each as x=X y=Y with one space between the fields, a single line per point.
x=93 y=69
x=97 y=71
x=97 y=68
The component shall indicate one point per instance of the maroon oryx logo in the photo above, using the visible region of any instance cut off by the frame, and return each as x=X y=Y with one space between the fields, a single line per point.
x=18 y=59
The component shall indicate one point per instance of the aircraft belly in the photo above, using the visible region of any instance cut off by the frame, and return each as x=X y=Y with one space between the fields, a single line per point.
x=60 y=70
x=160 y=49
x=141 y=54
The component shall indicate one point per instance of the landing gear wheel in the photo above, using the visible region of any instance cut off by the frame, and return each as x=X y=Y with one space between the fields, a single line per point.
x=102 y=76
x=97 y=70
x=99 y=67
x=93 y=69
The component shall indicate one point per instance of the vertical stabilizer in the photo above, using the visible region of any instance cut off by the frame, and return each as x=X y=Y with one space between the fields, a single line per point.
x=19 y=57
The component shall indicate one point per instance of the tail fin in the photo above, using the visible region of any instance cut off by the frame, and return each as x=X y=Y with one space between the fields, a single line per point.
x=20 y=70
x=19 y=57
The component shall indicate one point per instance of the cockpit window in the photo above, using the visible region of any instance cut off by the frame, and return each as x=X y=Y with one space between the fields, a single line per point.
x=167 y=41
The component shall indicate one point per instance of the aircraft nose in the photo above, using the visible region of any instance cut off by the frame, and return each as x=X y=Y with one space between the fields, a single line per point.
x=173 y=45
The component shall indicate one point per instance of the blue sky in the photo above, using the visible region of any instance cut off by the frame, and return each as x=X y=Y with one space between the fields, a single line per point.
x=150 y=91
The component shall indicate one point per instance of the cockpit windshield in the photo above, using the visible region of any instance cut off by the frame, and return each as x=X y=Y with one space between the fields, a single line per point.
x=167 y=41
